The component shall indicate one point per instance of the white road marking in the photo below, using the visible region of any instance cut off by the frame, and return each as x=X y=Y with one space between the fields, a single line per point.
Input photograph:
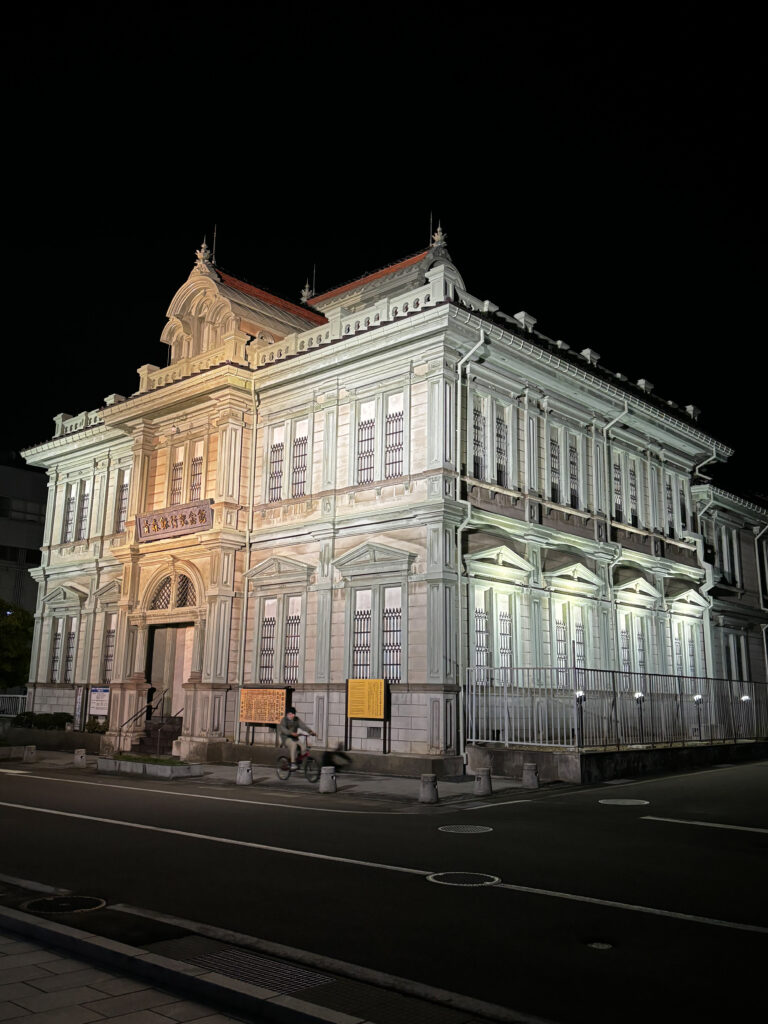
x=204 y=796
x=12 y=771
x=706 y=824
x=388 y=867
x=637 y=908
x=216 y=839
x=490 y=806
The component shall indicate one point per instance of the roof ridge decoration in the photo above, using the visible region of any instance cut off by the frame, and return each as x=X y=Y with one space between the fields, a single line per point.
x=204 y=263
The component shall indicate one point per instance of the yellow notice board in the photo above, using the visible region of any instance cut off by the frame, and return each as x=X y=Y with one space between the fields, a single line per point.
x=262 y=705
x=365 y=698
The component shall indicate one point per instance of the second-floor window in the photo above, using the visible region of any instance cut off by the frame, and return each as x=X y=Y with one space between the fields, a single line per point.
x=177 y=476
x=83 y=505
x=366 y=443
x=121 y=503
x=393 y=437
x=275 y=479
x=108 y=658
x=554 y=469
x=502 y=450
x=196 y=473
x=478 y=443
x=299 y=459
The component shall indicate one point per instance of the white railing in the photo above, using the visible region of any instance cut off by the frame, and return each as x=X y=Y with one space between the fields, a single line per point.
x=580 y=708
x=12 y=704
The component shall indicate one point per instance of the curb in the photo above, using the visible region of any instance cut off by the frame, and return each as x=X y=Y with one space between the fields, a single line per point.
x=190 y=981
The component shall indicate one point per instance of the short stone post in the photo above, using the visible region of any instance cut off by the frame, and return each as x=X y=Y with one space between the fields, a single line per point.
x=483 y=782
x=428 y=794
x=80 y=761
x=530 y=776
x=244 y=773
x=30 y=753
x=328 y=779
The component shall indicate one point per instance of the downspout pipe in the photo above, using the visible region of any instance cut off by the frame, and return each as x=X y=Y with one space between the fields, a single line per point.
x=608 y=512
x=248 y=532
x=608 y=461
x=462 y=526
x=706 y=462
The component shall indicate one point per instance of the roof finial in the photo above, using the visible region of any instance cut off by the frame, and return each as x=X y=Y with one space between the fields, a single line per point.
x=204 y=262
x=439 y=238
x=307 y=293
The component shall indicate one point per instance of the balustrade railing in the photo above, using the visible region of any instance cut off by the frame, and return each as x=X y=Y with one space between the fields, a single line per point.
x=12 y=704
x=594 y=708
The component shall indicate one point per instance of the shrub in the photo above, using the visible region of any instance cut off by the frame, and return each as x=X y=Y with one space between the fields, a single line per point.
x=94 y=725
x=30 y=720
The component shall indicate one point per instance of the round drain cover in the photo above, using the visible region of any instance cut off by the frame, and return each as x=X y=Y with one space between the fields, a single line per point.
x=63 y=904
x=625 y=803
x=465 y=878
x=465 y=830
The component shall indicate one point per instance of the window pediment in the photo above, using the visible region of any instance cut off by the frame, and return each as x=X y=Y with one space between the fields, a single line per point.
x=635 y=585
x=108 y=594
x=279 y=570
x=574 y=577
x=65 y=598
x=680 y=592
x=370 y=559
x=500 y=563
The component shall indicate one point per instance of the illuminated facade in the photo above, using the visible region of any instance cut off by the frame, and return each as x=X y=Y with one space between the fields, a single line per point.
x=280 y=506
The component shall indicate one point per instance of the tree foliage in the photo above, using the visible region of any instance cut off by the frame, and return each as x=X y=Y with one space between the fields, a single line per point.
x=16 y=625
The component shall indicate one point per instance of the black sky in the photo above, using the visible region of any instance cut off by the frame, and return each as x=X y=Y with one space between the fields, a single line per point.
x=601 y=169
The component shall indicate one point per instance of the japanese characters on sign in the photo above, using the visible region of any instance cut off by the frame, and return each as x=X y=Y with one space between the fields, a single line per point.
x=98 y=702
x=174 y=521
x=263 y=705
x=365 y=698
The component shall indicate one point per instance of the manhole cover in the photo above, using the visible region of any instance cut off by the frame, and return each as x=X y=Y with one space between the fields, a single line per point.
x=625 y=803
x=465 y=878
x=600 y=945
x=63 y=904
x=465 y=829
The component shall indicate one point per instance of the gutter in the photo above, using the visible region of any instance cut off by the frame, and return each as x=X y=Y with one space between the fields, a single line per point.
x=248 y=533
x=462 y=526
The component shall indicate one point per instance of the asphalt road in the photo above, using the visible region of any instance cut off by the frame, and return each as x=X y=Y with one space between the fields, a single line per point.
x=600 y=911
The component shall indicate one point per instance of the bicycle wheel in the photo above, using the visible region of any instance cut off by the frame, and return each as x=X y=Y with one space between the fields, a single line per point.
x=283 y=768
x=311 y=769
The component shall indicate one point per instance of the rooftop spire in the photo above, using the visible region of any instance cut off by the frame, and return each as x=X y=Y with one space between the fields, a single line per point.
x=307 y=293
x=204 y=262
x=439 y=238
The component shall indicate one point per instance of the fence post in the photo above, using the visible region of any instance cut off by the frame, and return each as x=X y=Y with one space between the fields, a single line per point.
x=615 y=709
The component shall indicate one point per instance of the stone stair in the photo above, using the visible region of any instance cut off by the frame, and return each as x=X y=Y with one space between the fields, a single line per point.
x=159 y=734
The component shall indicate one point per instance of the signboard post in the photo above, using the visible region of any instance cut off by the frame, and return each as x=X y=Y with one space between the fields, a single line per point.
x=367 y=699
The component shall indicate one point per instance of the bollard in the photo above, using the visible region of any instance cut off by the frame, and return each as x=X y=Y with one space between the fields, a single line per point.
x=244 y=773
x=30 y=753
x=328 y=779
x=530 y=776
x=483 y=782
x=428 y=794
x=80 y=758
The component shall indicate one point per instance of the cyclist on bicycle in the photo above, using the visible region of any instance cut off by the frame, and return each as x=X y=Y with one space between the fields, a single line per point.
x=288 y=731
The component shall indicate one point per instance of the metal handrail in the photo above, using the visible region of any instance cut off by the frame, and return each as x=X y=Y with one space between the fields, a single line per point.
x=138 y=714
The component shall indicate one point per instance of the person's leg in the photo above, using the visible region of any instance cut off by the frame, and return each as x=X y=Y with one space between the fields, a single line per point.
x=293 y=748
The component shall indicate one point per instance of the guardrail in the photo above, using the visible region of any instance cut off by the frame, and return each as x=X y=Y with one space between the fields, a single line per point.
x=12 y=704
x=592 y=708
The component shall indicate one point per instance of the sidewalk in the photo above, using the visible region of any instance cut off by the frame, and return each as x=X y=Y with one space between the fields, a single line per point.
x=353 y=789
x=55 y=972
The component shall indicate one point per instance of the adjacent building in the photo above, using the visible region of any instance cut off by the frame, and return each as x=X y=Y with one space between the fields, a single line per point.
x=393 y=480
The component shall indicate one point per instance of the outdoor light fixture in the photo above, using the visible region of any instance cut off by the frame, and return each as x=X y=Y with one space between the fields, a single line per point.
x=580 y=696
x=745 y=697
x=697 y=698
x=639 y=697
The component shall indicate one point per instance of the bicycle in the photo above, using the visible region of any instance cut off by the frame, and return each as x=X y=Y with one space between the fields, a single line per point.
x=304 y=762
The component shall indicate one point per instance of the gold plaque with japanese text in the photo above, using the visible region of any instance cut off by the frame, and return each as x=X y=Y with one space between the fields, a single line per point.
x=365 y=698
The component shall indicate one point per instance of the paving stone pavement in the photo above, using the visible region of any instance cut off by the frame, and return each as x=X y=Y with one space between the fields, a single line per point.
x=40 y=986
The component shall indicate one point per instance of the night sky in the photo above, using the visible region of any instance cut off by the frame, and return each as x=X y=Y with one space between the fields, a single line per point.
x=601 y=171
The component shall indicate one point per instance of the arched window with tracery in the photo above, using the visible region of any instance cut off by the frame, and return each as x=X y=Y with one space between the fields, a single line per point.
x=182 y=595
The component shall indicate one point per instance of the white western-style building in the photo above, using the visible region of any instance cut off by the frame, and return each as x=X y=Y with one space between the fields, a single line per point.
x=393 y=480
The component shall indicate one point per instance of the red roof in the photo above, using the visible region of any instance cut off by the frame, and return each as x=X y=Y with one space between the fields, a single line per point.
x=271 y=300
x=372 y=277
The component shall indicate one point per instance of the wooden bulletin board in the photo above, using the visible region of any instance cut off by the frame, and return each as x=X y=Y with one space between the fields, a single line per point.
x=265 y=705
x=367 y=699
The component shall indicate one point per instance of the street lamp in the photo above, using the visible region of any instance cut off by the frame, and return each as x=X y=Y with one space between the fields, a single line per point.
x=580 y=698
x=697 y=699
